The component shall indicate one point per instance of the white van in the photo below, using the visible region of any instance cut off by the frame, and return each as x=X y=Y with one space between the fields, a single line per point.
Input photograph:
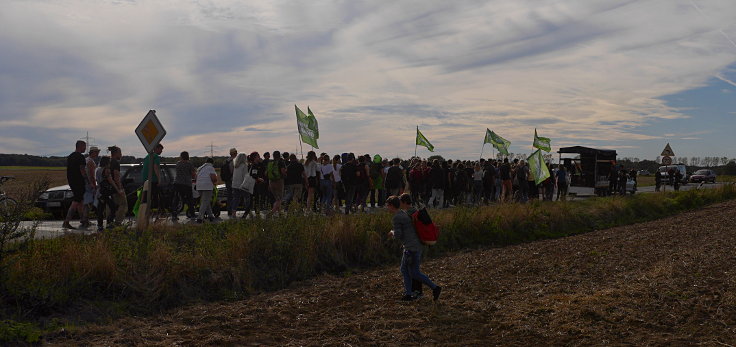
x=680 y=167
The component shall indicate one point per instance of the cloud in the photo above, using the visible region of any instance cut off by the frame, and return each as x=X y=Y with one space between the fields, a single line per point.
x=230 y=72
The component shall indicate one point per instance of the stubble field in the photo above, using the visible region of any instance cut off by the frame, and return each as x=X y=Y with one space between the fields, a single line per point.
x=666 y=282
x=26 y=175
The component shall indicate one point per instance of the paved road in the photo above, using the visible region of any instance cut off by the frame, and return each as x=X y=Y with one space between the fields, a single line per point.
x=51 y=229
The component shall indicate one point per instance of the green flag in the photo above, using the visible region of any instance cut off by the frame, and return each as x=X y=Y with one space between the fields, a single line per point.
x=316 y=126
x=541 y=142
x=501 y=144
x=422 y=141
x=537 y=167
x=307 y=127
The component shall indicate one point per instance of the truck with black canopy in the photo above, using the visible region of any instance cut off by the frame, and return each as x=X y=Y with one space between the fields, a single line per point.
x=588 y=167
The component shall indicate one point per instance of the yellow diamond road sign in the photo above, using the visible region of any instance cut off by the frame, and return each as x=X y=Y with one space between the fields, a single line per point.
x=150 y=131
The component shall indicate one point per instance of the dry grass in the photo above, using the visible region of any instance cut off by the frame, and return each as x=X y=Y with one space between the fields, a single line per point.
x=657 y=283
x=25 y=176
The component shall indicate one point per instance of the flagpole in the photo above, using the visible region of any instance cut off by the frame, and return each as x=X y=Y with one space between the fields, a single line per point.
x=415 y=142
x=481 y=150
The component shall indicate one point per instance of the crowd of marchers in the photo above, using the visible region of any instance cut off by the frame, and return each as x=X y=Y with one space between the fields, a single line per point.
x=259 y=184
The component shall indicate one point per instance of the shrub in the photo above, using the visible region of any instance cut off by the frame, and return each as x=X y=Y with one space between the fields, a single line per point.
x=165 y=267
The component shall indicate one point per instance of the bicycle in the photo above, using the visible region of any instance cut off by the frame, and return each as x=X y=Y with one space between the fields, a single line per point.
x=7 y=204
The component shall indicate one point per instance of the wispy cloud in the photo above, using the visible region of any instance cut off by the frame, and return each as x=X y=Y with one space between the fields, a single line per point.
x=230 y=72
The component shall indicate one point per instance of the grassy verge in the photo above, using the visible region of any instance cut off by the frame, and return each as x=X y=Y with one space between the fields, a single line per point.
x=123 y=272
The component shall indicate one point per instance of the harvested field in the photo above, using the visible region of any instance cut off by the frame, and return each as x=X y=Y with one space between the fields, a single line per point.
x=669 y=281
x=25 y=176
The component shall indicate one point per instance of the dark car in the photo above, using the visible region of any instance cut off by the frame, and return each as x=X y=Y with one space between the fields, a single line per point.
x=132 y=181
x=57 y=200
x=703 y=175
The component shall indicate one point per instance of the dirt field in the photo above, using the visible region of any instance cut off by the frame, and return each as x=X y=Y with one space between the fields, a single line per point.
x=658 y=283
x=24 y=176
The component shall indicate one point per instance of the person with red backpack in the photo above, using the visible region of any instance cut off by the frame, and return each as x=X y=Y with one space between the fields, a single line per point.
x=403 y=230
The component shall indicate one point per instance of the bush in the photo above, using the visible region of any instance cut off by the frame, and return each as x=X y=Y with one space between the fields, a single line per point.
x=165 y=266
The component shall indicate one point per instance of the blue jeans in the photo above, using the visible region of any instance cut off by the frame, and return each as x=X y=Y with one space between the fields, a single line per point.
x=410 y=270
x=325 y=187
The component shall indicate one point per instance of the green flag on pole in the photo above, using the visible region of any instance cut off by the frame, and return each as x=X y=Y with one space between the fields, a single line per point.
x=307 y=127
x=542 y=143
x=537 y=167
x=501 y=144
x=422 y=141
x=316 y=126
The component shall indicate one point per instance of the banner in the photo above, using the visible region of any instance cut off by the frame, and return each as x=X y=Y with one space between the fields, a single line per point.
x=537 y=167
x=308 y=128
x=316 y=126
x=501 y=144
x=422 y=141
x=542 y=143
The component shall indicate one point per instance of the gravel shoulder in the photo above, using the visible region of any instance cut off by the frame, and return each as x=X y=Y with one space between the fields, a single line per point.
x=669 y=281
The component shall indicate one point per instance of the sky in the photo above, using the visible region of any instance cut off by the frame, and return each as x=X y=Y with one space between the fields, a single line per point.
x=625 y=75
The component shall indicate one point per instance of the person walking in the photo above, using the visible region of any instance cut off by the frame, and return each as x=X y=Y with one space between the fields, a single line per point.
x=75 y=171
x=339 y=192
x=506 y=184
x=185 y=173
x=394 y=178
x=155 y=160
x=120 y=199
x=437 y=178
x=376 y=181
x=241 y=188
x=350 y=181
x=90 y=188
x=327 y=184
x=477 y=184
x=562 y=183
x=107 y=189
x=226 y=175
x=403 y=230
x=311 y=168
x=206 y=179
x=276 y=171
x=296 y=180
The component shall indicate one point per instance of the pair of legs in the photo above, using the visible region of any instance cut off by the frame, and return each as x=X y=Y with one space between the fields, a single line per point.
x=240 y=195
x=182 y=193
x=410 y=272
x=205 y=204
x=102 y=202
x=77 y=205
x=325 y=188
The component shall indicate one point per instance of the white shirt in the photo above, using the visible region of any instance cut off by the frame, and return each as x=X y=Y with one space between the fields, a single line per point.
x=311 y=168
x=326 y=170
x=336 y=172
x=204 y=182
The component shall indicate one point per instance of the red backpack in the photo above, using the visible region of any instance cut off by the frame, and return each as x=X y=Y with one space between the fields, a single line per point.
x=426 y=230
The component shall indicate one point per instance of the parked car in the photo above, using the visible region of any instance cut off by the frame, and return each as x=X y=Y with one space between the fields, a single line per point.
x=644 y=173
x=665 y=172
x=57 y=200
x=703 y=175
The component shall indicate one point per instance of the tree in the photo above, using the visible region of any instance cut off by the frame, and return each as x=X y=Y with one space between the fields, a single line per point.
x=730 y=168
x=695 y=161
x=724 y=160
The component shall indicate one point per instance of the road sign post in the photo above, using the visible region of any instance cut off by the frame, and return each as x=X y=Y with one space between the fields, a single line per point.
x=667 y=155
x=150 y=132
